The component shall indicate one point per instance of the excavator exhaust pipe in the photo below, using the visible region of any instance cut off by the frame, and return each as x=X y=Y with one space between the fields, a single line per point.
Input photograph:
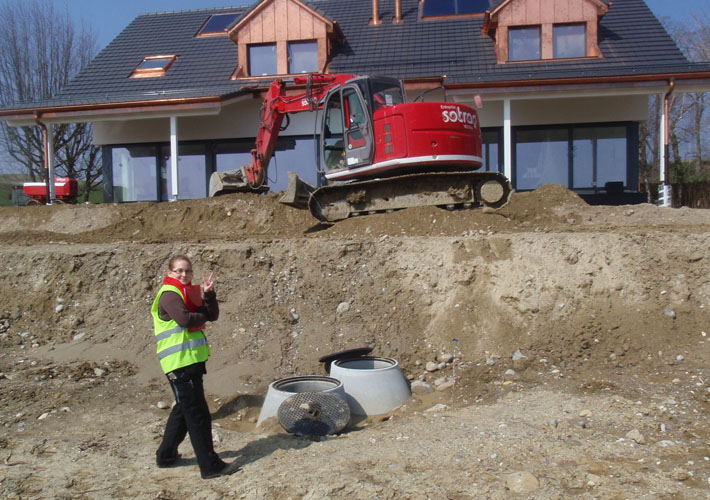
x=297 y=193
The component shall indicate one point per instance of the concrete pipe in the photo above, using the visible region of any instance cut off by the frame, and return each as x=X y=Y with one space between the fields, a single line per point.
x=373 y=385
x=280 y=390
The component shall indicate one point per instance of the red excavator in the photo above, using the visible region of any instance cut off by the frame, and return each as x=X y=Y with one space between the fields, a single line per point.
x=376 y=152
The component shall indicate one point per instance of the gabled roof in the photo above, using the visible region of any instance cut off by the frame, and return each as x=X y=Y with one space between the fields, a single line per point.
x=498 y=5
x=453 y=51
x=258 y=6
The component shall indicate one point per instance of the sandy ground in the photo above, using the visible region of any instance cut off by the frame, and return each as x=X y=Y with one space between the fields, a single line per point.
x=581 y=350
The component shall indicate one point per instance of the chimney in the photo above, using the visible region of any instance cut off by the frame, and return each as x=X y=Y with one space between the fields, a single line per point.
x=376 y=21
x=397 y=11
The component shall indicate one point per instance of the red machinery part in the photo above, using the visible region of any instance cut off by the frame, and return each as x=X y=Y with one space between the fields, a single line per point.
x=66 y=189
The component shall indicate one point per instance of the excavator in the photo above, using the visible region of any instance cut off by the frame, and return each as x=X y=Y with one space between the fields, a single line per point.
x=375 y=152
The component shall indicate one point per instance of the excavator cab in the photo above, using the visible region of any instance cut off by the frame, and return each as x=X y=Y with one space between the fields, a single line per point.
x=347 y=138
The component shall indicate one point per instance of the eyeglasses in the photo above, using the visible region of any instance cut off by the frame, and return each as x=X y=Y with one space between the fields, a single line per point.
x=182 y=271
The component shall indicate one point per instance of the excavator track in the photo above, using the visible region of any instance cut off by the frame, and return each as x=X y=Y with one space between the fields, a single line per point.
x=446 y=189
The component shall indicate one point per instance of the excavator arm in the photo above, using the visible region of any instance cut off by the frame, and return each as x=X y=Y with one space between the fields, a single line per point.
x=276 y=105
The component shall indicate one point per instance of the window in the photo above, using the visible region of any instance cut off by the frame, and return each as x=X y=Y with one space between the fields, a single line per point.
x=217 y=24
x=262 y=59
x=134 y=173
x=433 y=8
x=599 y=156
x=579 y=157
x=490 y=142
x=541 y=157
x=192 y=172
x=569 y=40
x=153 y=66
x=141 y=172
x=302 y=57
x=524 y=43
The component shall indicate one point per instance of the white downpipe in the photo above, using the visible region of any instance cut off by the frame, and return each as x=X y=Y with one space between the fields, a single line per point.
x=507 y=141
x=173 y=158
x=663 y=188
x=50 y=164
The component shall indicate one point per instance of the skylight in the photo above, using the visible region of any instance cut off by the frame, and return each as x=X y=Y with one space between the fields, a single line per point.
x=153 y=66
x=435 y=8
x=217 y=24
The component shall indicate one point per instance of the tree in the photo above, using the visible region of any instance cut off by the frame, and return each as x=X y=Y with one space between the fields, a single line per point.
x=42 y=50
x=687 y=118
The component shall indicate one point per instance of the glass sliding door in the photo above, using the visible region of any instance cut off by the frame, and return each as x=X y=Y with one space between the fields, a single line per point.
x=542 y=157
x=492 y=159
x=135 y=173
x=192 y=172
x=599 y=156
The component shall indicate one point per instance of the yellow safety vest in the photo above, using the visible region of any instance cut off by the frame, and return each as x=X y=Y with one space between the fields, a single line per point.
x=177 y=346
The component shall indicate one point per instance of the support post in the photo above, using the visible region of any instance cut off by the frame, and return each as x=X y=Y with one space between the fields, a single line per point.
x=173 y=158
x=507 y=141
x=49 y=158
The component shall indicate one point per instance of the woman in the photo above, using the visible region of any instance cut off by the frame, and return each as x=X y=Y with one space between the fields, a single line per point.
x=179 y=312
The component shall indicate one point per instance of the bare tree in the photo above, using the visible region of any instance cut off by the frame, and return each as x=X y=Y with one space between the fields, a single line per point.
x=694 y=40
x=42 y=50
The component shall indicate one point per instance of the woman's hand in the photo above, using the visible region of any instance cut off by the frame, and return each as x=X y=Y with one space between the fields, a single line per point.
x=207 y=283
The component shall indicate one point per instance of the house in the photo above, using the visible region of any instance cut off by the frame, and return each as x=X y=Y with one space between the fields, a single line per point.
x=565 y=83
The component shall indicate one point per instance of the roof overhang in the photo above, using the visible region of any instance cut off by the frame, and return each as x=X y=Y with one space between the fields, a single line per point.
x=547 y=89
x=113 y=111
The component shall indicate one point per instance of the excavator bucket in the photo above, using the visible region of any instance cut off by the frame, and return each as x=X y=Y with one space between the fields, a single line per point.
x=229 y=181
x=297 y=193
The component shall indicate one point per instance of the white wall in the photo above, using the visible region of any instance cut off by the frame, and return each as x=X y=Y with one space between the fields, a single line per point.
x=241 y=119
x=236 y=120
x=561 y=111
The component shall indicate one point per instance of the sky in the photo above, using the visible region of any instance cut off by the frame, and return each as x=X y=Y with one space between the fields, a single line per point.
x=109 y=17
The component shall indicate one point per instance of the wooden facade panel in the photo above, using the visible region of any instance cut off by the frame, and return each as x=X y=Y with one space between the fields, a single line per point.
x=562 y=13
x=518 y=13
x=268 y=23
x=255 y=31
x=281 y=20
x=533 y=11
x=546 y=44
x=293 y=20
x=547 y=11
x=306 y=21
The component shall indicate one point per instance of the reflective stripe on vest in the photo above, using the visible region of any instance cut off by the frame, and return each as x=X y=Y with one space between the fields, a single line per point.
x=182 y=347
x=177 y=346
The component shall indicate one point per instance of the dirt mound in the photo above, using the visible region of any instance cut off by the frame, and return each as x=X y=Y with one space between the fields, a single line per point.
x=569 y=326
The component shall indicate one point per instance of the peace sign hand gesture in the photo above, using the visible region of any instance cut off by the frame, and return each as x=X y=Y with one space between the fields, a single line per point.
x=207 y=283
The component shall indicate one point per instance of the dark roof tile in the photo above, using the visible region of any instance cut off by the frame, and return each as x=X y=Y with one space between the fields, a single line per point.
x=630 y=37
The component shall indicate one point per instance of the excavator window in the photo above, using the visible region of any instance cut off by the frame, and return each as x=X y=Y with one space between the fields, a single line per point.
x=333 y=150
x=385 y=93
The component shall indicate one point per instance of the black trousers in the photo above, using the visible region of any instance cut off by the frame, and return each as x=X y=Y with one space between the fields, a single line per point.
x=190 y=415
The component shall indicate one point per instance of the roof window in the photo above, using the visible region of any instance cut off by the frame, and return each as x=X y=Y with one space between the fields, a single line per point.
x=445 y=8
x=153 y=66
x=217 y=24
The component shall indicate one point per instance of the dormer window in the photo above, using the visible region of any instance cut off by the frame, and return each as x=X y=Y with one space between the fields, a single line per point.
x=569 y=40
x=303 y=57
x=262 y=59
x=217 y=24
x=441 y=8
x=153 y=66
x=524 y=43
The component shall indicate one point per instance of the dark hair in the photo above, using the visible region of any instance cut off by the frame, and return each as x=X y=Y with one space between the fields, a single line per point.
x=176 y=258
